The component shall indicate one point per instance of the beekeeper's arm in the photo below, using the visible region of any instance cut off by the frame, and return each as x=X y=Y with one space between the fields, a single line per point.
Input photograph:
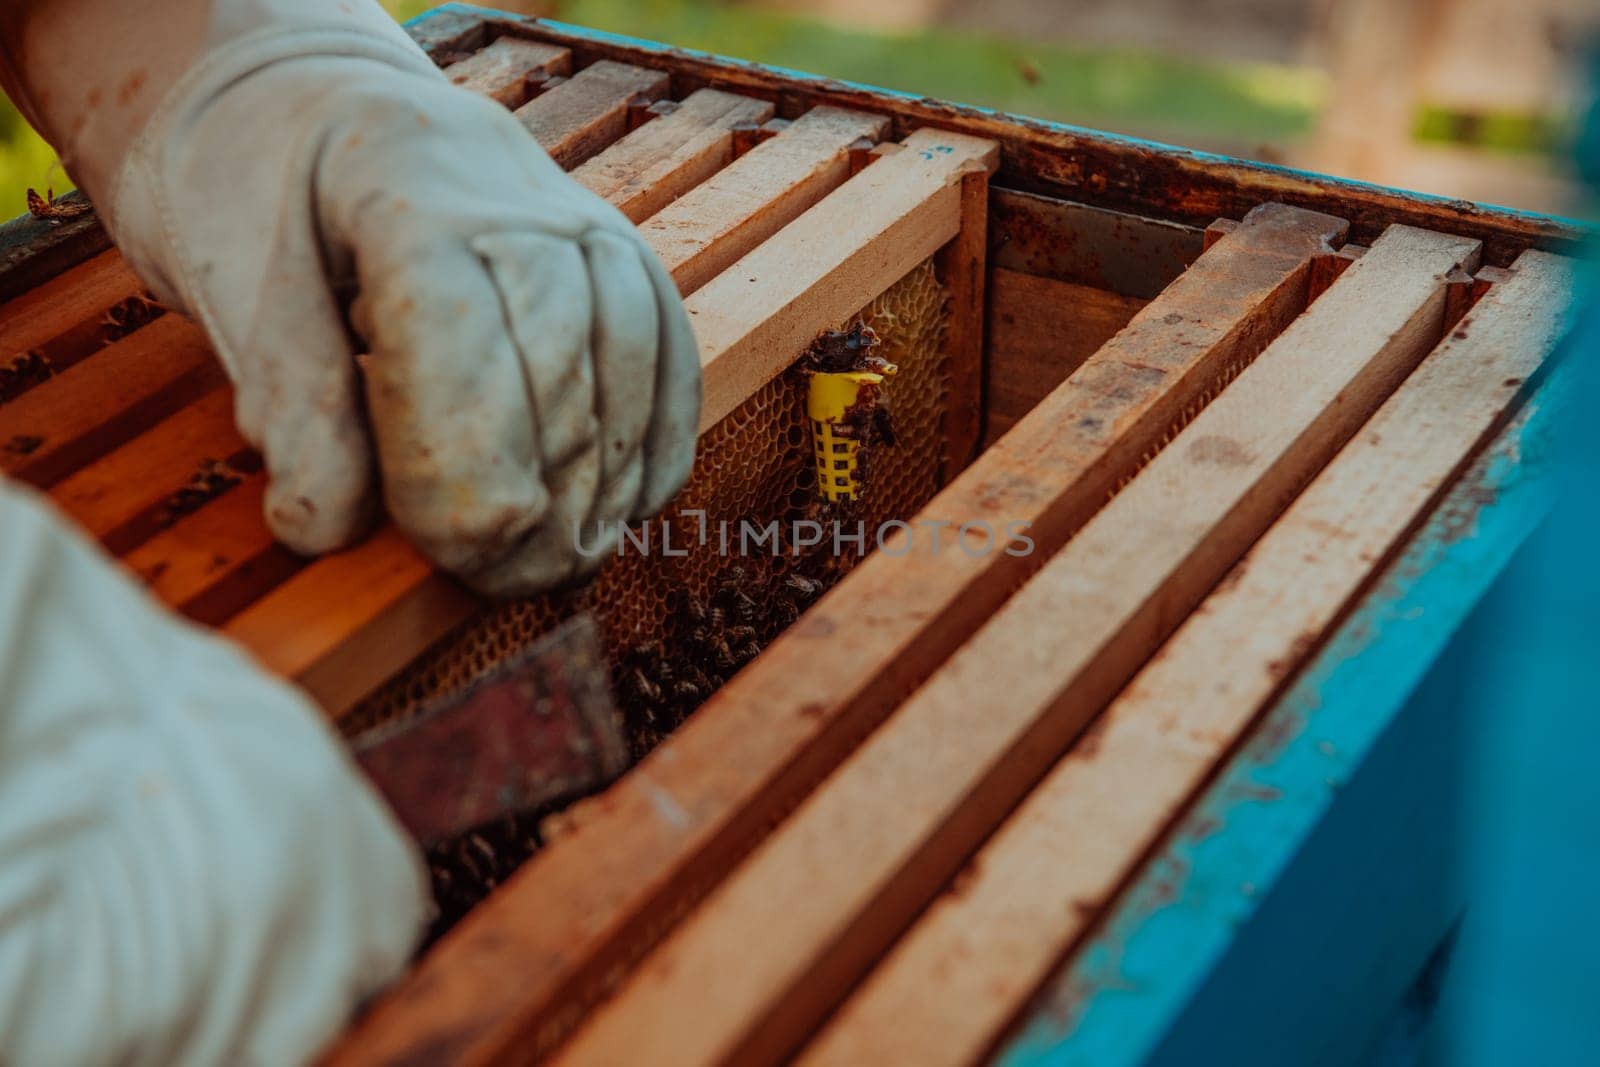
x=299 y=177
x=190 y=870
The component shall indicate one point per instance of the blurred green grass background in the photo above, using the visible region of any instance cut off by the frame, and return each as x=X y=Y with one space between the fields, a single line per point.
x=1113 y=88
x=1240 y=108
x=25 y=160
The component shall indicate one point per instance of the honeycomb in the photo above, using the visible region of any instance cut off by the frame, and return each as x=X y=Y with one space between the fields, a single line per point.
x=754 y=465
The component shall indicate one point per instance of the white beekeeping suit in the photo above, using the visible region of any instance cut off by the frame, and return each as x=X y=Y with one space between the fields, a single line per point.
x=190 y=870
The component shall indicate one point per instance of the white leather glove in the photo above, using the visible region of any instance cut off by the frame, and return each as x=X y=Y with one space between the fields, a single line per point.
x=530 y=364
x=191 y=870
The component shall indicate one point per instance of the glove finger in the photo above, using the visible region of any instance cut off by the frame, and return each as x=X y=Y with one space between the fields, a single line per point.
x=550 y=303
x=297 y=401
x=626 y=340
x=452 y=408
x=669 y=443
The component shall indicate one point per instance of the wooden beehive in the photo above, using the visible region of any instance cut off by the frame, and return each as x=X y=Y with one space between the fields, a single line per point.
x=1215 y=400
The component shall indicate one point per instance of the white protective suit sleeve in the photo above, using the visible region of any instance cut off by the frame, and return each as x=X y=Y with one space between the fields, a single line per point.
x=191 y=871
x=298 y=176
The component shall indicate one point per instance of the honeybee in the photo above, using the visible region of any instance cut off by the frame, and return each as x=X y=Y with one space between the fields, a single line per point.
x=47 y=207
x=646 y=688
x=22 y=373
x=806 y=587
x=129 y=315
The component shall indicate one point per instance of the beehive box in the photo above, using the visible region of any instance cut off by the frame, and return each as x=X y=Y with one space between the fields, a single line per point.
x=1225 y=426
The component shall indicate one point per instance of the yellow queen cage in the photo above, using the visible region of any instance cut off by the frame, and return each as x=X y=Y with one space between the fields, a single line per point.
x=836 y=441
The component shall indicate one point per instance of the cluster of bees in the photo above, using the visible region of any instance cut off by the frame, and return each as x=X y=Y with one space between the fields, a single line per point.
x=129 y=315
x=466 y=869
x=661 y=683
x=34 y=367
x=213 y=478
x=23 y=373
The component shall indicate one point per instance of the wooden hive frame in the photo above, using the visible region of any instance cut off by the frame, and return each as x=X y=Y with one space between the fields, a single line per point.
x=1218 y=460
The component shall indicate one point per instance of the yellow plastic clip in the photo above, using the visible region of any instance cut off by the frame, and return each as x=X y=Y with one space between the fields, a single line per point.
x=837 y=448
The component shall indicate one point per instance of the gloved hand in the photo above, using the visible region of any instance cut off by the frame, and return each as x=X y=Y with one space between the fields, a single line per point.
x=191 y=871
x=530 y=365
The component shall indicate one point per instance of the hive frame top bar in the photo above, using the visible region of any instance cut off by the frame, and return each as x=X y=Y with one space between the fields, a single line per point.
x=1179 y=921
x=1110 y=170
